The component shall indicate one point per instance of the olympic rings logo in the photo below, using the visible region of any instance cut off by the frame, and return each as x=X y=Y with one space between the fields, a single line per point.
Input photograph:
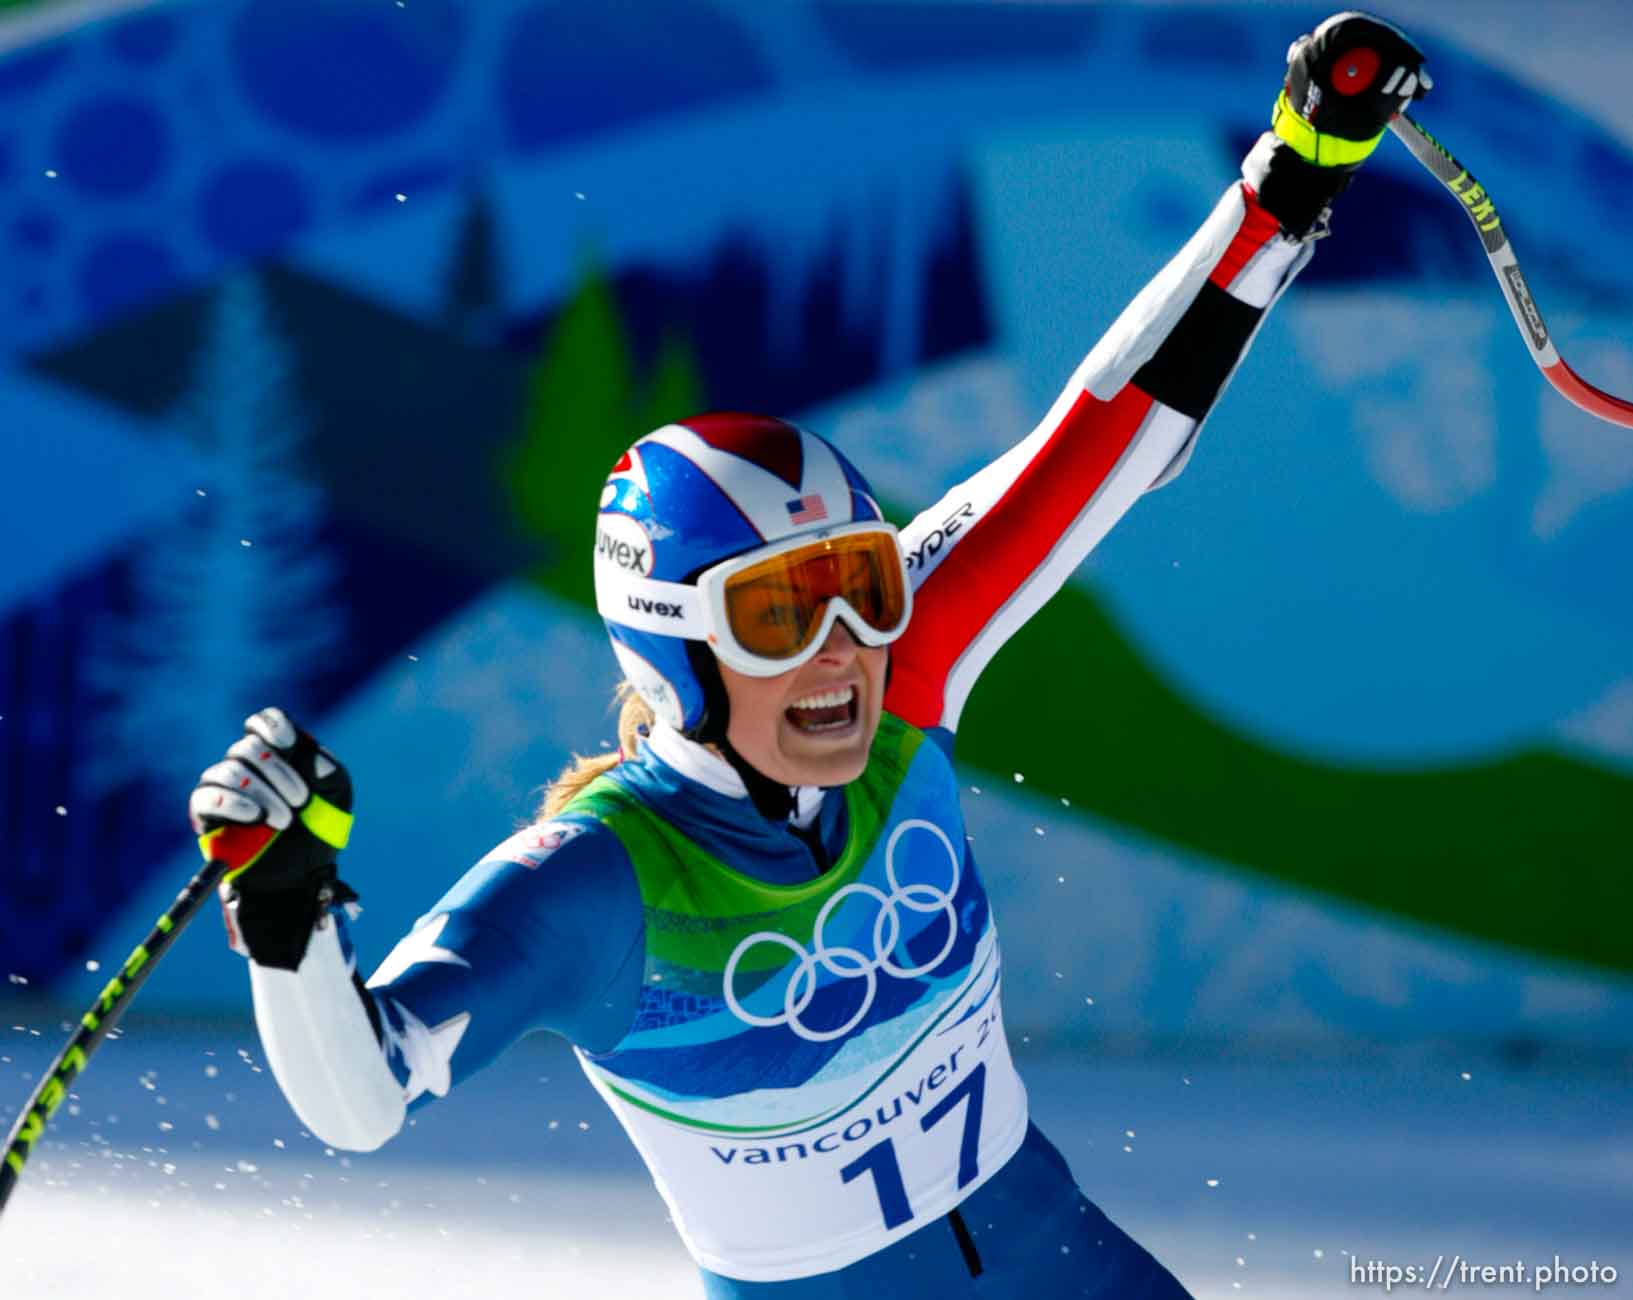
x=850 y=963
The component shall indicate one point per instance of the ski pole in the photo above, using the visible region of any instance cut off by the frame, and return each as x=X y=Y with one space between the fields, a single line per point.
x=94 y=1025
x=1483 y=212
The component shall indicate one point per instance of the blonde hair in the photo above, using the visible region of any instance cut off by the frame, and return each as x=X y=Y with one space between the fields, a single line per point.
x=635 y=718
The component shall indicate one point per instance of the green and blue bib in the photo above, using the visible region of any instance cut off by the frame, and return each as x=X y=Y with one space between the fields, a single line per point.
x=815 y=1070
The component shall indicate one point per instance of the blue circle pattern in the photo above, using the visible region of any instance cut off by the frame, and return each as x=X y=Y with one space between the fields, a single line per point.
x=1165 y=210
x=1610 y=178
x=124 y=271
x=1206 y=39
x=244 y=145
x=251 y=206
x=570 y=69
x=112 y=146
x=340 y=72
x=35 y=231
x=27 y=71
x=892 y=36
x=144 y=40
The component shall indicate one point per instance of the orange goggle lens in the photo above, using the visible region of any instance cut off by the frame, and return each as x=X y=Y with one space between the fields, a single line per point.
x=776 y=607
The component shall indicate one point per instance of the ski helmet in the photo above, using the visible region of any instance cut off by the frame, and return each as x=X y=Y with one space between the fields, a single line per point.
x=688 y=496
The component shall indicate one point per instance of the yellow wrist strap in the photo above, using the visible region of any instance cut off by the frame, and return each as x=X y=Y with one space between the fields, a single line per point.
x=327 y=822
x=322 y=818
x=1311 y=145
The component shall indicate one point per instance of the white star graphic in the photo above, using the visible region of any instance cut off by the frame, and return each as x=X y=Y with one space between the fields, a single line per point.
x=414 y=947
x=428 y=1052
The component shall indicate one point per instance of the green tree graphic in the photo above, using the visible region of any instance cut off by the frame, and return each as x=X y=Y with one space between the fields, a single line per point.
x=585 y=404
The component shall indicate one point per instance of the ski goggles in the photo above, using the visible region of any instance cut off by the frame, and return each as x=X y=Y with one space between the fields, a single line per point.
x=772 y=609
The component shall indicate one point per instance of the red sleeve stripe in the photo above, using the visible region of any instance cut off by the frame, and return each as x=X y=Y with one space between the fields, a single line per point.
x=1258 y=228
x=1016 y=536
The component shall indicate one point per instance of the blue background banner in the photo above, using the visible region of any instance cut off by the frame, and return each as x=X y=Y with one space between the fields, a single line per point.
x=291 y=287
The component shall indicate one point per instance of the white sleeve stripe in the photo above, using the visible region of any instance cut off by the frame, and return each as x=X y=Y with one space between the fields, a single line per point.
x=1122 y=350
x=1288 y=274
x=1181 y=459
x=1259 y=283
x=981 y=491
x=1136 y=335
x=1161 y=435
x=322 y=1050
x=1264 y=276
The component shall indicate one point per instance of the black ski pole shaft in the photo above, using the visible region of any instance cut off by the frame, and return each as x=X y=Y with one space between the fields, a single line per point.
x=94 y=1025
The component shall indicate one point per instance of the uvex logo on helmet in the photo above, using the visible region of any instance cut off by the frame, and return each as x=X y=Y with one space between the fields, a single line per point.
x=690 y=495
x=621 y=541
x=662 y=608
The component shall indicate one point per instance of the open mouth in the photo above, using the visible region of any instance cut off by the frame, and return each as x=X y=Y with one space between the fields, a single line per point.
x=823 y=711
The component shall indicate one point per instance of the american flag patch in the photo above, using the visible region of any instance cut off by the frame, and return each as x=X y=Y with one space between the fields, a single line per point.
x=808 y=509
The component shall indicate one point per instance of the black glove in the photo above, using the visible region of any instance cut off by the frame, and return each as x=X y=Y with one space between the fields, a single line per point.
x=277 y=810
x=1345 y=81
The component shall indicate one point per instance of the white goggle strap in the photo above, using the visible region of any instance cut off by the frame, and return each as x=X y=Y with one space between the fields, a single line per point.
x=650 y=605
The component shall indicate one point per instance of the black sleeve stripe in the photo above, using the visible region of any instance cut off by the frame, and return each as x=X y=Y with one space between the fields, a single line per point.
x=1199 y=353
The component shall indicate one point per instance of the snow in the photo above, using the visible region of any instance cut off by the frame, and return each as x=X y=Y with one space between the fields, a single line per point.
x=519 y=1183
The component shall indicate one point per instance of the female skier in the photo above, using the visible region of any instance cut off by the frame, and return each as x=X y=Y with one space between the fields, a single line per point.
x=760 y=924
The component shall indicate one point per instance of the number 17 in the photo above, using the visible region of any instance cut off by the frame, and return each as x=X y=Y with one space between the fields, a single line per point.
x=880 y=1159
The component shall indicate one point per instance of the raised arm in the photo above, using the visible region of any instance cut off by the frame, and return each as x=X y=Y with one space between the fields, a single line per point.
x=544 y=933
x=988 y=555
